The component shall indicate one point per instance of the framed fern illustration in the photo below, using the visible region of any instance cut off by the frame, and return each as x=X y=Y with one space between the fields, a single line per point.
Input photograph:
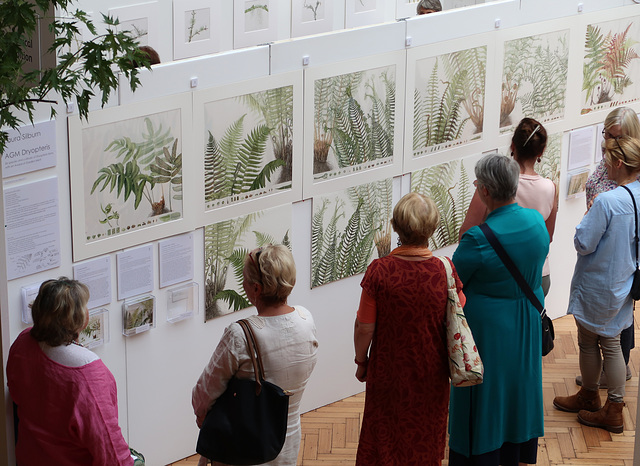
x=311 y=17
x=364 y=12
x=611 y=68
x=249 y=133
x=196 y=28
x=349 y=229
x=450 y=185
x=534 y=78
x=446 y=98
x=356 y=122
x=254 y=22
x=127 y=175
x=226 y=244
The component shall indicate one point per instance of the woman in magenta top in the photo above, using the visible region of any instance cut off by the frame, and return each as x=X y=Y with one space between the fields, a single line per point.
x=66 y=398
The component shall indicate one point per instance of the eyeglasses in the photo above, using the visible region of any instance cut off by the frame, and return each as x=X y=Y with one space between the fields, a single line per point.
x=256 y=262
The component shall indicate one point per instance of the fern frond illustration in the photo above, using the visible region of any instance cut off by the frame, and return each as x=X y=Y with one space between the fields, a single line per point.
x=233 y=165
x=256 y=7
x=448 y=186
x=192 y=29
x=606 y=63
x=535 y=74
x=340 y=249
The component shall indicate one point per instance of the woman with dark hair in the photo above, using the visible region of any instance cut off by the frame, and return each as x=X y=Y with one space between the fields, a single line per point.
x=599 y=299
x=66 y=398
x=401 y=346
x=534 y=192
x=286 y=336
x=499 y=421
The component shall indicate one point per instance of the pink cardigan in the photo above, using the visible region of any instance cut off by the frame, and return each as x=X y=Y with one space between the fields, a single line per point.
x=68 y=415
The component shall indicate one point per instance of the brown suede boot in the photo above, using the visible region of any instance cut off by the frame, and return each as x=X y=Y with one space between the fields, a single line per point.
x=588 y=400
x=608 y=418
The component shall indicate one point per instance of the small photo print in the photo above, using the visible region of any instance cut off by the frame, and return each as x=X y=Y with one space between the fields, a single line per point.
x=138 y=315
x=197 y=25
x=577 y=184
x=96 y=332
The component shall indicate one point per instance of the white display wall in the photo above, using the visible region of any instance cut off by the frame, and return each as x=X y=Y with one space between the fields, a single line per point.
x=156 y=370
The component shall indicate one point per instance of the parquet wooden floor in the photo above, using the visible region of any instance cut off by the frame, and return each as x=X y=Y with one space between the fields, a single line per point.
x=330 y=433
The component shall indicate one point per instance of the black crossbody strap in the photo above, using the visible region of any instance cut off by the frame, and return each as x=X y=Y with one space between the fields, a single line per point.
x=635 y=210
x=511 y=267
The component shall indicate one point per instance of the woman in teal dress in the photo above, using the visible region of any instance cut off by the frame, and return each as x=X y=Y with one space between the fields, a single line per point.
x=499 y=421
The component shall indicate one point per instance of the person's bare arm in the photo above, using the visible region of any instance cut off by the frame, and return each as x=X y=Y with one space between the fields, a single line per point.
x=362 y=337
x=476 y=214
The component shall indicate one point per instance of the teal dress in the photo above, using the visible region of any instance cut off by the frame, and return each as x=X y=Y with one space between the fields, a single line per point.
x=507 y=406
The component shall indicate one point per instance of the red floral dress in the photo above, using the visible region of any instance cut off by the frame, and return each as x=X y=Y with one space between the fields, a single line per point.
x=407 y=391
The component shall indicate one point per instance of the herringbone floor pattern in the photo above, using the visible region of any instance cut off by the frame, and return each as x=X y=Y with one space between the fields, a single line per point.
x=330 y=433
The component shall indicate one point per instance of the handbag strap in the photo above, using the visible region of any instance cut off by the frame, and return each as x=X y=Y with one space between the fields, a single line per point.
x=451 y=283
x=511 y=267
x=254 y=352
x=635 y=210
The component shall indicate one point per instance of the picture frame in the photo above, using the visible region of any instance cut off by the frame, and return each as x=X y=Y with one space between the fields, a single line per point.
x=138 y=315
x=311 y=17
x=364 y=12
x=106 y=215
x=142 y=20
x=255 y=22
x=196 y=28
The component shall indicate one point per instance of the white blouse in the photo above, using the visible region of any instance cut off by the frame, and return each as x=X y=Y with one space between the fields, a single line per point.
x=288 y=347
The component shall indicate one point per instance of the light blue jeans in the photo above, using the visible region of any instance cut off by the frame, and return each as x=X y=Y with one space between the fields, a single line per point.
x=591 y=345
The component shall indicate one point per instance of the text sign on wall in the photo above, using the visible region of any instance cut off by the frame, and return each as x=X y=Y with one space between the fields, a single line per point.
x=30 y=148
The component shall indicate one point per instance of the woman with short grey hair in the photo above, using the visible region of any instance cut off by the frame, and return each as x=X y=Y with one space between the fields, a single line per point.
x=499 y=421
x=499 y=175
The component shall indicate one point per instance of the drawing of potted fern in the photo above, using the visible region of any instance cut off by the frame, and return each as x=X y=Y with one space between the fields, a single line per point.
x=451 y=101
x=533 y=66
x=337 y=253
x=275 y=107
x=448 y=186
x=144 y=164
x=607 y=59
x=341 y=124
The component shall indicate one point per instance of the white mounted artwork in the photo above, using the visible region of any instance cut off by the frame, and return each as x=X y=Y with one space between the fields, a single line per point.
x=196 y=28
x=141 y=21
x=349 y=229
x=446 y=88
x=356 y=110
x=611 y=68
x=364 y=12
x=311 y=17
x=226 y=244
x=450 y=186
x=96 y=332
x=126 y=175
x=255 y=22
x=250 y=152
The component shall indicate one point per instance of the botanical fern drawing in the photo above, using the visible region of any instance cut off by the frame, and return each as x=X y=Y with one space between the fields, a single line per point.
x=196 y=25
x=256 y=15
x=534 y=78
x=252 y=155
x=549 y=165
x=449 y=99
x=449 y=185
x=226 y=244
x=133 y=174
x=347 y=228
x=354 y=117
x=610 y=64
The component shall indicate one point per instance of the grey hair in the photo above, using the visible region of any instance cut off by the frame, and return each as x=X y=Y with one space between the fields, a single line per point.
x=429 y=5
x=500 y=175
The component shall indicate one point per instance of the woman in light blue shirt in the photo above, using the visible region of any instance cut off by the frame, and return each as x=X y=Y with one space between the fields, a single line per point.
x=599 y=300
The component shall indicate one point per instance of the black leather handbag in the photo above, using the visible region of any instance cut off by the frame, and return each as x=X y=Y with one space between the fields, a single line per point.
x=548 y=333
x=248 y=423
x=635 y=286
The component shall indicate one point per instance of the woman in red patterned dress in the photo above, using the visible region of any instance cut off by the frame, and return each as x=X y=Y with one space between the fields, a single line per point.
x=400 y=345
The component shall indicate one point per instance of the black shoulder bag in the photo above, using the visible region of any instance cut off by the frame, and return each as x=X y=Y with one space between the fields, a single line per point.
x=248 y=423
x=548 y=333
x=635 y=287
